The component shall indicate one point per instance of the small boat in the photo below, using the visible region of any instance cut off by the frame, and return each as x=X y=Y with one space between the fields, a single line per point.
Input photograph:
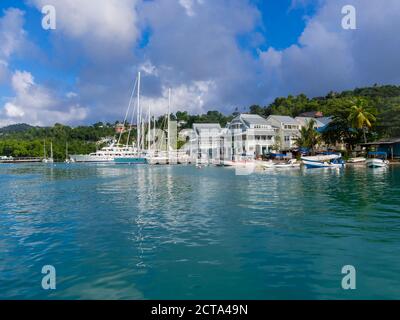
x=68 y=159
x=324 y=161
x=265 y=164
x=45 y=159
x=357 y=160
x=377 y=160
x=292 y=163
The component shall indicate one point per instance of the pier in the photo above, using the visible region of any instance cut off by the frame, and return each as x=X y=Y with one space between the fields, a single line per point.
x=21 y=160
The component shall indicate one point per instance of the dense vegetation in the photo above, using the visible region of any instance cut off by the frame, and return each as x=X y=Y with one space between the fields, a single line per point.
x=378 y=106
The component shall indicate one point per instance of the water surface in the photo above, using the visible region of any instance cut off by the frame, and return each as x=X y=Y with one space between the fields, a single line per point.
x=177 y=232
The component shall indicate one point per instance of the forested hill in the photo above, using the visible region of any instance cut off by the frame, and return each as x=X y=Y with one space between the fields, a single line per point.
x=384 y=101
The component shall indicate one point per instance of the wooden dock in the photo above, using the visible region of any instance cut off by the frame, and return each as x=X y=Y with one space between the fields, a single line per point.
x=21 y=160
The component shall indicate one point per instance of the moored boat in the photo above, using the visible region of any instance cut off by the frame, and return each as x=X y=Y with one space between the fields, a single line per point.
x=324 y=161
x=377 y=160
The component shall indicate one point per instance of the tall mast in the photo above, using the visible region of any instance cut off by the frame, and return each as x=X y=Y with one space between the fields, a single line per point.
x=148 y=132
x=154 y=133
x=44 y=149
x=143 y=133
x=51 y=150
x=169 y=109
x=138 y=115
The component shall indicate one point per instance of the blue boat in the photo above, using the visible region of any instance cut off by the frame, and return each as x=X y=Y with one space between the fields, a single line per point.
x=324 y=161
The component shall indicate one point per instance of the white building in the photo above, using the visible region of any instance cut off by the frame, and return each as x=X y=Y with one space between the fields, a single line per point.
x=304 y=121
x=251 y=135
x=287 y=130
x=205 y=144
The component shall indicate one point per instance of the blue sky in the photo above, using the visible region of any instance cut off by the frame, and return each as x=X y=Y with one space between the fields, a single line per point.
x=213 y=54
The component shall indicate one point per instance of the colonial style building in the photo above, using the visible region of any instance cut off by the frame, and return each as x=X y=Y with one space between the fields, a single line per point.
x=287 y=130
x=206 y=141
x=251 y=135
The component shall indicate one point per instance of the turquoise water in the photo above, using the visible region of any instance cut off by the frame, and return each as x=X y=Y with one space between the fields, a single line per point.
x=177 y=232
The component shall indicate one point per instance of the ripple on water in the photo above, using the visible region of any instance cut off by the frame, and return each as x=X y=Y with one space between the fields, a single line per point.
x=140 y=232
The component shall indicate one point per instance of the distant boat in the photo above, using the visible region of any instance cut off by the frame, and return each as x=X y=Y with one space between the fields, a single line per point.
x=324 y=161
x=290 y=164
x=377 y=160
x=45 y=159
x=357 y=160
x=106 y=154
x=67 y=158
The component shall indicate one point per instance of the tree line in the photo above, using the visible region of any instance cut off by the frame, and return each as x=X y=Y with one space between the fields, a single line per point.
x=359 y=115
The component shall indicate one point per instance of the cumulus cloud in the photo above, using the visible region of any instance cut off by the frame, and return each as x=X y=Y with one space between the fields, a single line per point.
x=192 y=47
x=189 y=5
x=102 y=25
x=36 y=104
x=327 y=57
x=12 y=34
x=12 y=39
x=192 y=97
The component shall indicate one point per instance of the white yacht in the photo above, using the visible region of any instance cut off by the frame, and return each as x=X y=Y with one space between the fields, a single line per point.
x=106 y=154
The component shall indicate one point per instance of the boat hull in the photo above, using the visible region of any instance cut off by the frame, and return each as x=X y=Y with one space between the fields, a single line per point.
x=93 y=159
x=377 y=163
x=316 y=165
x=128 y=160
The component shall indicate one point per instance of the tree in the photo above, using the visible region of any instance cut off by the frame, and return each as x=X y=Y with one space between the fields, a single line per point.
x=361 y=117
x=309 y=137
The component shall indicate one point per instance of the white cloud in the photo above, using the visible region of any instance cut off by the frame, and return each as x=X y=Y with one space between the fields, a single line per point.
x=12 y=34
x=12 y=39
x=188 y=5
x=37 y=105
x=13 y=111
x=191 y=97
x=328 y=57
x=110 y=24
x=148 y=68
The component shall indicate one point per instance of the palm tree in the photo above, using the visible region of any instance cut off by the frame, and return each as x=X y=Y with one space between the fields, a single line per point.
x=309 y=137
x=361 y=117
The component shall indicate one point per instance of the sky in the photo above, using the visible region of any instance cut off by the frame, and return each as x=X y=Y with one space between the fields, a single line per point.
x=213 y=54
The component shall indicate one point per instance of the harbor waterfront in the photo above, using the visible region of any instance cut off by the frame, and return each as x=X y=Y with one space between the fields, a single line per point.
x=180 y=232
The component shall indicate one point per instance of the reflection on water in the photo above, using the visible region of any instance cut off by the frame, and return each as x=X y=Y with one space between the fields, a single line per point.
x=168 y=232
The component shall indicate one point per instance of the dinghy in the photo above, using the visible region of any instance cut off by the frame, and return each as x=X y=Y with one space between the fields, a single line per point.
x=324 y=161
x=377 y=160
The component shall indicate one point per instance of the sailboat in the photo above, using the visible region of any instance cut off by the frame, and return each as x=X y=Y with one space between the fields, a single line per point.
x=45 y=159
x=116 y=152
x=138 y=156
x=67 y=158
x=164 y=157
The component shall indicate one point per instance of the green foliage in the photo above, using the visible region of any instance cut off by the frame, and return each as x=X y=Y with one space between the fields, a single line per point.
x=309 y=137
x=30 y=141
x=377 y=108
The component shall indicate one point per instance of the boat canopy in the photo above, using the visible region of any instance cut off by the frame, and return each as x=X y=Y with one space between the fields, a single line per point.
x=377 y=154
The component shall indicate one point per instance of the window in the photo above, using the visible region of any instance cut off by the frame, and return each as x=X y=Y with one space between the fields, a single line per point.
x=287 y=138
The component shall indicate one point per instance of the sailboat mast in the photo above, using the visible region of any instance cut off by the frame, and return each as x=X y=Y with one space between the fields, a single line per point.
x=138 y=115
x=44 y=149
x=51 y=150
x=168 y=126
x=148 y=133
x=154 y=133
